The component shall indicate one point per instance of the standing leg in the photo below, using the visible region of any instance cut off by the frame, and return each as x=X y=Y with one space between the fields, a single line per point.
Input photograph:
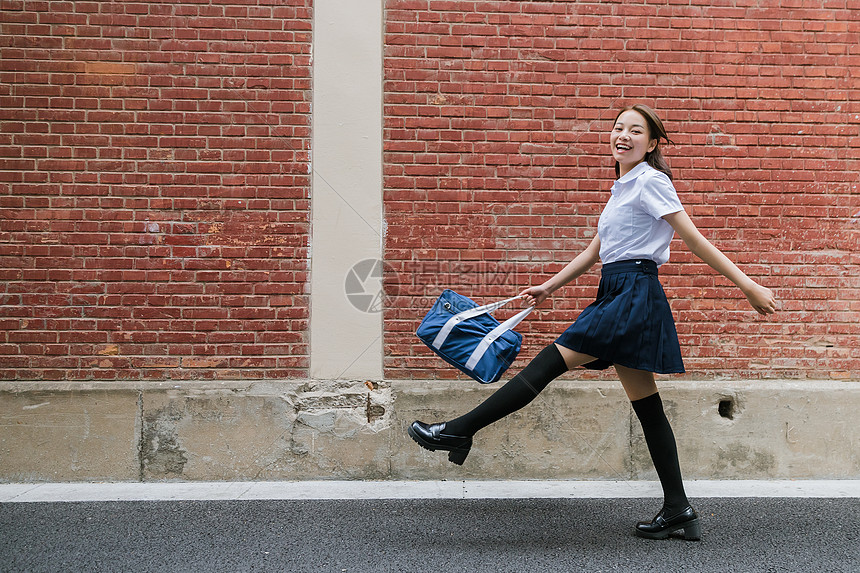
x=677 y=512
x=456 y=436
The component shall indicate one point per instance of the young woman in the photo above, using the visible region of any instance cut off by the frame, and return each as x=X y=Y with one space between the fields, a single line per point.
x=630 y=324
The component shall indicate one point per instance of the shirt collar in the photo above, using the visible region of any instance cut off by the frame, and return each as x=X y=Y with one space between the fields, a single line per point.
x=634 y=173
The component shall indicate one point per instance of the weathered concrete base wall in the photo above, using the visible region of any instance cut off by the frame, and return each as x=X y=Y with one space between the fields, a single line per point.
x=356 y=430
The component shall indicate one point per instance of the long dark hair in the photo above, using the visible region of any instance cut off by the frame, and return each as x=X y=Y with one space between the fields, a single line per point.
x=655 y=131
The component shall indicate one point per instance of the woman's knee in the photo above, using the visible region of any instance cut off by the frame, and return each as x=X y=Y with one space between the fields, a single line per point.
x=637 y=384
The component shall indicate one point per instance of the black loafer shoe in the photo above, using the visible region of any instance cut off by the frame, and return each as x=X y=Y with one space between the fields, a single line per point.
x=662 y=525
x=433 y=437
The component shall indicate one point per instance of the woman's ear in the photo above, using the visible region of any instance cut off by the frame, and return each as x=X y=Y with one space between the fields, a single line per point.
x=652 y=145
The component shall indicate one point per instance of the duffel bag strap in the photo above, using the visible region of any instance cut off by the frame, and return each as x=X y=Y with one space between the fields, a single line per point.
x=465 y=315
x=491 y=336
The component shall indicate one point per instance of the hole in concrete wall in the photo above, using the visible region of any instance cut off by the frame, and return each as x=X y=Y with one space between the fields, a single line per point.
x=374 y=411
x=726 y=408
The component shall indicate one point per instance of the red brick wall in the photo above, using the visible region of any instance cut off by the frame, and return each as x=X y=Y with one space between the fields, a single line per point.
x=154 y=185
x=497 y=165
x=154 y=176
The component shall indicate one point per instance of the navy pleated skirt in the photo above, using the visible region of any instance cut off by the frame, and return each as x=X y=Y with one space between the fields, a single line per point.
x=629 y=324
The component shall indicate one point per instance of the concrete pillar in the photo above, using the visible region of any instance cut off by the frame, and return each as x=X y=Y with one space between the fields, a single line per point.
x=346 y=263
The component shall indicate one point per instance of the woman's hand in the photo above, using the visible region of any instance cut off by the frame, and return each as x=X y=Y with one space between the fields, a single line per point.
x=761 y=299
x=535 y=295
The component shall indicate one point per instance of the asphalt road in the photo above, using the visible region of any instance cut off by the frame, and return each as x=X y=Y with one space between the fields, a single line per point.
x=427 y=535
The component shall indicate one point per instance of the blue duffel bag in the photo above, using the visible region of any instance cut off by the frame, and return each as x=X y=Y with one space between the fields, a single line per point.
x=467 y=336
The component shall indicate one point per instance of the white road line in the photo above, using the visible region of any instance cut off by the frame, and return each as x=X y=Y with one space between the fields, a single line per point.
x=345 y=490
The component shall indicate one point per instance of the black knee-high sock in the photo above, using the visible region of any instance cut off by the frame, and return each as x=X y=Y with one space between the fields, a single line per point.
x=664 y=451
x=516 y=393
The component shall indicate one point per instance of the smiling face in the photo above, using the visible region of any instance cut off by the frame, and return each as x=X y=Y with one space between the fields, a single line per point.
x=630 y=140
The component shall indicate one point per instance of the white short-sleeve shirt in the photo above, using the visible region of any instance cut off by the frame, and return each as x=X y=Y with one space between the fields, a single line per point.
x=631 y=225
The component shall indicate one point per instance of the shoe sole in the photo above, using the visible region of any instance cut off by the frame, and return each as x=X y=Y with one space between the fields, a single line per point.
x=456 y=455
x=692 y=531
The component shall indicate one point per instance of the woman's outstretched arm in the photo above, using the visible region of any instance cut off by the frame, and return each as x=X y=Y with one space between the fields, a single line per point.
x=579 y=265
x=761 y=298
